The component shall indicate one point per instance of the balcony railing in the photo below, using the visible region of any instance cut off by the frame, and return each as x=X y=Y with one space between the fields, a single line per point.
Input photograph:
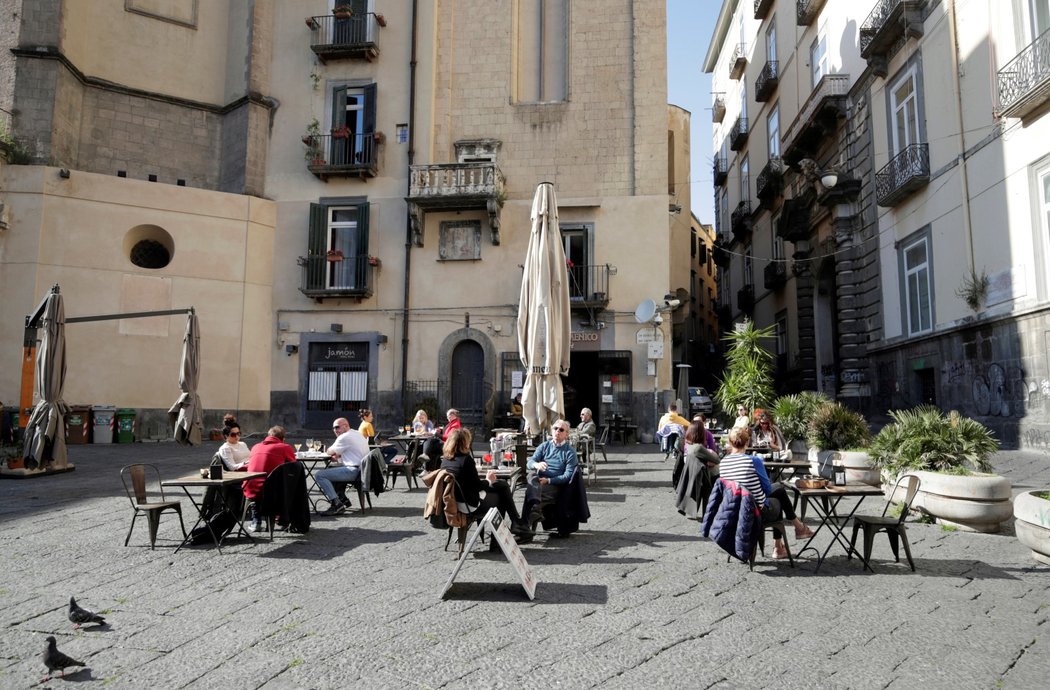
x=330 y=277
x=775 y=275
x=738 y=134
x=341 y=155
x=768 y=184
x=807 y=10
x=455 y=185
x=767 y=81
x=745 y=299
x=909 y=170
x=721 y=170
x=888 y=21
x=719 y=254
x=333 y=38
x=738 y=62
x=718 y=111
x=762 y=8
x=818 y=114
x=793 y=225
x=740 y=222
x=1024 y=83
x=589 y=286
x=724 y=312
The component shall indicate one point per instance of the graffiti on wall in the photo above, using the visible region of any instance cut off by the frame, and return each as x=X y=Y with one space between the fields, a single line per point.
x=997 y=390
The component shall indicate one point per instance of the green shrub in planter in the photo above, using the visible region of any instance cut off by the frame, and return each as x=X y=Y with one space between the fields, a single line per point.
x=792 y=413
x=834 y=427
x=923 y=438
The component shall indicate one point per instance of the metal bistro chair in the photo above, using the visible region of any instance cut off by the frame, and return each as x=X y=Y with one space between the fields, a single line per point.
x=892 y=526
x=601 y=440
x=139 y=496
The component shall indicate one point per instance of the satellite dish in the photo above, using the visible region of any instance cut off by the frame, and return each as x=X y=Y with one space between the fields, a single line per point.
x=645 y=311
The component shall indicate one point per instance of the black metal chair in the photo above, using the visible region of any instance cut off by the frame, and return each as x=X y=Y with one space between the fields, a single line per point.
x=601 y=440
x=892 y=526
x=140 y=497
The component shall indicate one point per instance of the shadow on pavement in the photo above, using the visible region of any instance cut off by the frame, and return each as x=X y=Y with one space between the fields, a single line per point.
x=924 y=567
x=546 y=593
x=315 y=547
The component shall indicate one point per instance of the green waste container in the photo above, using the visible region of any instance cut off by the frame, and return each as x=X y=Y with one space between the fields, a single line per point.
x=78 y=424
x=125 y=425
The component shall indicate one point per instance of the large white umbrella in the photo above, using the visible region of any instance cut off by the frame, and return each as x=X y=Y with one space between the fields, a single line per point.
x=186 y=414
x=543 y=316
x=45 y=437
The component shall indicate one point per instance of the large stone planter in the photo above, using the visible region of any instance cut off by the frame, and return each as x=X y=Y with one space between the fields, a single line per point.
x=799 y=450
x=859 y=468
x=974 y=502
x=1032 y=524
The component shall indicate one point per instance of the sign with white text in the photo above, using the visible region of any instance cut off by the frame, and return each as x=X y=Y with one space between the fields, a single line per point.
x=497 y=529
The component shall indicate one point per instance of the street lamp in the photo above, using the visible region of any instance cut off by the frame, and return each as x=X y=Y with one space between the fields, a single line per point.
x=829 y=178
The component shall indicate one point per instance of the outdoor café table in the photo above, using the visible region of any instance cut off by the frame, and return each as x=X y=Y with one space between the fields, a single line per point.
x=509 y=474
x=836 y=523
x=584 y=445
x=310 y=460
x=776 y=468
x=197 y=481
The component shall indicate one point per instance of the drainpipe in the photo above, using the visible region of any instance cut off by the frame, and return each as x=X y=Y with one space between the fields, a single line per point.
x=964 y=179
x=408 y=219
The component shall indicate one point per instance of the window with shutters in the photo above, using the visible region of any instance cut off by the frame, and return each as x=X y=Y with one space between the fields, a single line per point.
x=337 y=262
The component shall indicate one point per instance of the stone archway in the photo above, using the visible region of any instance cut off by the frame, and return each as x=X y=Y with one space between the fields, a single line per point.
x=470 y=350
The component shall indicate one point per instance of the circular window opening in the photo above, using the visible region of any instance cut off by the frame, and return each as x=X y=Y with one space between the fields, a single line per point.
x=150 y=254
x=149 y=246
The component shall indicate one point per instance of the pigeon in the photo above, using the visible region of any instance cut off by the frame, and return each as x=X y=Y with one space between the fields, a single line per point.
x=55 y=659
x=79 y=616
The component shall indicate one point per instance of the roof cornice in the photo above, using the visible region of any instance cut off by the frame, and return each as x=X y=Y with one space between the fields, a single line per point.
x=725 y=18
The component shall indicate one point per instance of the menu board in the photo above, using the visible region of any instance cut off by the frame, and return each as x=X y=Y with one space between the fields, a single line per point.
x=498 y=530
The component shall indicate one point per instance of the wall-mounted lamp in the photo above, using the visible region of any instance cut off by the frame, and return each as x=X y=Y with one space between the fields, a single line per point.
x=337 y=328
x=829 y=178
x=291 y=349
x=63 y=173
x=382 y=339
x=674 y=209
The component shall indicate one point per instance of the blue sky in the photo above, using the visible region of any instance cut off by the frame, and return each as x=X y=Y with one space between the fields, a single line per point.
x=690 y=24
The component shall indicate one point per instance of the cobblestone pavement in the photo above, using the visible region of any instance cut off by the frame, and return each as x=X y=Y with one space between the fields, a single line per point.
x=636 y=599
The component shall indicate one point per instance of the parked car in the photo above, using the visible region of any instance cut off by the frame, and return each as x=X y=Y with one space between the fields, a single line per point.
x=700 y=401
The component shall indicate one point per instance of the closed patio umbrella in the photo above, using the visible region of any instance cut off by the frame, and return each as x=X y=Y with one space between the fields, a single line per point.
x=543 y=316
x=45 y=436
x=683 y=390
x=186 y=414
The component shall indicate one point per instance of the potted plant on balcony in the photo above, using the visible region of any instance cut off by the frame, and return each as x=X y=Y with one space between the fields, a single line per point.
x=949 y=453
x=374 y=261
x=341 y=132
x=342 y=11
x=334 y=255
x=312 y=140
x=381 y=20
x=839 y=436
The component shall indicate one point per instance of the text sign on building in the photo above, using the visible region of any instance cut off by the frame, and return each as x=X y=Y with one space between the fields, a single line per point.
x=645 y=335
x=584 y=340
x=656 y=349
x=337 y=353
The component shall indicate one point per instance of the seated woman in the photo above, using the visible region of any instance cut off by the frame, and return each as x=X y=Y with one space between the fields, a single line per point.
x=749 y=472
x=766 y=434
x=457 y=459
x=694 y=478
x=421 y=423
x=369 y=432
x=742 y=418
x=234 y=452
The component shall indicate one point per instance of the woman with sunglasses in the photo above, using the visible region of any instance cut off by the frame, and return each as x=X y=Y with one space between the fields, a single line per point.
x=766 y=434
x=234 y=452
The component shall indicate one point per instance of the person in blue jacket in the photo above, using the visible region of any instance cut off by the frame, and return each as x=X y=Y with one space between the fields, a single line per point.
x=551 y=466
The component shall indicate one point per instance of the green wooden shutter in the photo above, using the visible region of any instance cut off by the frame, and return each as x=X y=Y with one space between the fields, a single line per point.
x=317 y=247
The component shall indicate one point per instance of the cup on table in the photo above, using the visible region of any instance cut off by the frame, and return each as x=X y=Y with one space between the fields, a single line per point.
x=486 y=459
x=204 y=473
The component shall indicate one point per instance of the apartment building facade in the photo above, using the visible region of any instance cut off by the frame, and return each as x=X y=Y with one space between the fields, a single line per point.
x=927 y=252
x=344 y=197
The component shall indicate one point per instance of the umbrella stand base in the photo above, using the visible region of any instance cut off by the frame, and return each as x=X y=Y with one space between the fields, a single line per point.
x=23 y=473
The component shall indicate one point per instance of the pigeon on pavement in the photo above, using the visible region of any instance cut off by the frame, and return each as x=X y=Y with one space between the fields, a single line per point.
x=79 y=616
x=56 y=660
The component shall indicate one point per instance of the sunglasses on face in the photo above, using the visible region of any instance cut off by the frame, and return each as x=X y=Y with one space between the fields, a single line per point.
x=234 y=433
x=560 y=428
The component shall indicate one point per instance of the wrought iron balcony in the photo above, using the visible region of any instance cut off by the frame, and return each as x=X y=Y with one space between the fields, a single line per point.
x=738 y=134
x=767 y=81
x=721 y=170
x=355 y=37
x=342 y=154
x=719 y=254
x=888 y=21
x=745 y=299
x=738 y=62
x=724 y=313
x=775 y=275
x=793 y=225
x=1024 y=83
x=455 y=187
x=768 y=185
x=909 y=170
x=762 y=8
x=589 y=286
x=718 y=111
x=740 y=222
x=817 y=118
x=807 y=10
x=333 y=276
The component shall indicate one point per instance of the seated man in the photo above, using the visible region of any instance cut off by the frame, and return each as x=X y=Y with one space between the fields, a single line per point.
x=348 y=452
x=265 y=456
x=671 y=429
x=587 y=427
x=551 y=467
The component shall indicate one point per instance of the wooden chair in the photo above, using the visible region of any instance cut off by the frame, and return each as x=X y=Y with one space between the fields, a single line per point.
x=140 y=497
x=892 y=526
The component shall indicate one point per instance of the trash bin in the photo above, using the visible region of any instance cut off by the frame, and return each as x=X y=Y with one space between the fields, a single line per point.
x=125 y=425
x=102 y=423
x=78 y=424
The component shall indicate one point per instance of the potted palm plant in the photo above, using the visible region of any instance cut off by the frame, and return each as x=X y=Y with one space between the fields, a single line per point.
x=839 y=436
x=748 y=379
x=949 y=453
x=792 y=414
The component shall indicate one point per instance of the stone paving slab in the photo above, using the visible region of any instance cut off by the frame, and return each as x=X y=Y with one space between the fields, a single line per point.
x=636 y=599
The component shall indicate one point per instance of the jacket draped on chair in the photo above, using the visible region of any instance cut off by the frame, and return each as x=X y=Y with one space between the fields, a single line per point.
x=732 y=519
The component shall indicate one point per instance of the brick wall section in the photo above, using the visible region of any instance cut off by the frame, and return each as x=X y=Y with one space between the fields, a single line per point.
x=40 y=23
x=35 y=86
x=234 y=148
